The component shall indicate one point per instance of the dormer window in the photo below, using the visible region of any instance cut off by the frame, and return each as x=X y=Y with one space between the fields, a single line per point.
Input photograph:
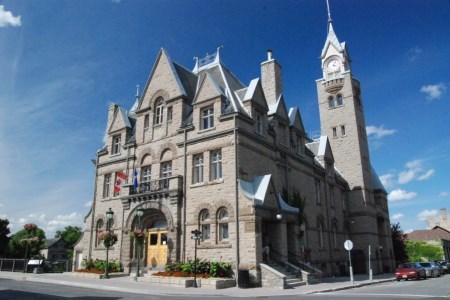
x=259 y=123
x=207 y=117
x=159 y=111
x=116 y=144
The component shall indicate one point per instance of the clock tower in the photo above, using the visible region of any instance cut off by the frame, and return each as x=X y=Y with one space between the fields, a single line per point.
x=342 y=120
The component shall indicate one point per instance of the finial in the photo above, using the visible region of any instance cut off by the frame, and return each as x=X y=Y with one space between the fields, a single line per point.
x=217 y=58
x=137 y=90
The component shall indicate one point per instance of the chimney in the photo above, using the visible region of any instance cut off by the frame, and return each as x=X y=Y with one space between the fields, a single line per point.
x=271 y=79
x=443 y=213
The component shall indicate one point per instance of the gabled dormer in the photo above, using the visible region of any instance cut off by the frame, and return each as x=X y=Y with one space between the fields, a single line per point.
x=325 y=155
x=256 y=105
x=297 y=131
x=118 y=130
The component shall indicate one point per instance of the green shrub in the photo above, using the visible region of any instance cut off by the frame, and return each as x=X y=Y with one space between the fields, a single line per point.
x=220 y=269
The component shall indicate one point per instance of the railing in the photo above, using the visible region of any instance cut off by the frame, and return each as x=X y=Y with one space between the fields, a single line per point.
x=297 y=261
x=21 y=265
x=153 y=186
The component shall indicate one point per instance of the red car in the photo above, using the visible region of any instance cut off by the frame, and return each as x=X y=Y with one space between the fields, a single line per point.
x=410 y=271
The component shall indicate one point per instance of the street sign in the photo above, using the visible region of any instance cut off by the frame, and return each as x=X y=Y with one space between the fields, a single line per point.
x=348 y=245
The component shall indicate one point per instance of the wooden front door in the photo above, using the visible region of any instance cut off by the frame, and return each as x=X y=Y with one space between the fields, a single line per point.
x=157 y=248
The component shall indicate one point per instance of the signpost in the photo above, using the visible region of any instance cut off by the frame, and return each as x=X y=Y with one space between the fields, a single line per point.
x=370 y=268
x=348 y=245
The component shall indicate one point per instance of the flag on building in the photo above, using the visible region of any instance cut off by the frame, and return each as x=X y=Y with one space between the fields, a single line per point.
x=121 y=178
x=135 y=179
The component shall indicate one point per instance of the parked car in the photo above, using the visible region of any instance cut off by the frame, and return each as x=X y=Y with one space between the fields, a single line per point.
x=445 y=265
x=439 y=267
x=431 y=269
x=410 y=271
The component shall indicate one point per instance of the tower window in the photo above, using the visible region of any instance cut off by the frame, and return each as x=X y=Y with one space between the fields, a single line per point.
x=342 y=130
x=159 y=110
x=334 y=132
x=207 y=118
x=339 y=100
x=331 y=102
x=146 y=122
x=169 y=113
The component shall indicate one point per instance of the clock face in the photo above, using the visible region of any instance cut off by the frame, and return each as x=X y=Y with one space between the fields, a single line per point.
x=333 y=65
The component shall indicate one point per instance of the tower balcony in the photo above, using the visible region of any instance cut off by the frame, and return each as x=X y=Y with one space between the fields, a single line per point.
x=333 y=86
x=164 y=188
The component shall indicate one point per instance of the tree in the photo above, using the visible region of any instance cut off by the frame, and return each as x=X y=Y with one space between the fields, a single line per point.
x=27 y=241
x=4 y=239
x=399 y=239
x=71 y=235
x=422 y=251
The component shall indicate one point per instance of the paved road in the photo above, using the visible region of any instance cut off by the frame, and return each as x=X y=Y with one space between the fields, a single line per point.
x=437 y=288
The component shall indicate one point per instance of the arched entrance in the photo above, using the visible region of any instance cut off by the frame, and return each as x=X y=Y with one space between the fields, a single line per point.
x=157 y=245
x=154 y=251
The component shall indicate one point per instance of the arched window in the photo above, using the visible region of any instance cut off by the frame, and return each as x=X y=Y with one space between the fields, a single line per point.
x=98 y=229
x=205 y=224
x=339 y=100
x=331 y=102
x=222 y=224
x=159 y=111
x=320 y=233
x=335 y=243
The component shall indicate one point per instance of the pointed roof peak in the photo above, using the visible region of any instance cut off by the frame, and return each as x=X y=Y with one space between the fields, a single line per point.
x=330 y=20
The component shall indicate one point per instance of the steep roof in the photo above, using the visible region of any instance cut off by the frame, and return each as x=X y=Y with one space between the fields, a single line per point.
x=436 y=233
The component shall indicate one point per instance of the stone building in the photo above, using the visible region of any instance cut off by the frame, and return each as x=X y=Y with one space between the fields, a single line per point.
x=441 y=220
x=232 y=161
x=437 y=236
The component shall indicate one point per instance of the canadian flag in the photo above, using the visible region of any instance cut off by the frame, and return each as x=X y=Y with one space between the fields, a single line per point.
x=121 y=178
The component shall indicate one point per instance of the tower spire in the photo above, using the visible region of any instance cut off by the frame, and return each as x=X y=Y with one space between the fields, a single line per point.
x=330 y=20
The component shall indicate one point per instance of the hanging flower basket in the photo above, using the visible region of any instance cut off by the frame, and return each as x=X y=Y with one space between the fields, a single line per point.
x=31 y=240
x=139 y=235
x=109 y=238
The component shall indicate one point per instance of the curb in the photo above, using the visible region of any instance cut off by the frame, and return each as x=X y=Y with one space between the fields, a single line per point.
x=352 y=286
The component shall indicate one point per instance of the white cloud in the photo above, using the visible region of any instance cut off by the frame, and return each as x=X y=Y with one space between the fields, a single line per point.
x=7 y=18
x=379 y=132
x=414 y=171
x=409 y=230
x=397 y=217
x=444 y=194
x=414 y=53
x=427 y=175
x=434 y=91
x=61 y=221
x=406 y=176
x=387 y=180
x=426 y=214
x=397 y=195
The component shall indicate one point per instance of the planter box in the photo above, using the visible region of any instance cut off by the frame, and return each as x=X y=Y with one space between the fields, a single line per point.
x=96 y=276
x=213 y=283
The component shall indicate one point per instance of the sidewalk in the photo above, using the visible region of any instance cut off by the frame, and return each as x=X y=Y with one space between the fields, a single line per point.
x=129 y=285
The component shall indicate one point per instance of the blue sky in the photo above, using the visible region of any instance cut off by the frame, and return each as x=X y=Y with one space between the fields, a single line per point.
x=63 y=62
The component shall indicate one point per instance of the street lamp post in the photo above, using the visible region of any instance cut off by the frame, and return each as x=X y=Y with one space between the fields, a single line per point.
x=109 y=215
x=196 y=237
x=139 y=213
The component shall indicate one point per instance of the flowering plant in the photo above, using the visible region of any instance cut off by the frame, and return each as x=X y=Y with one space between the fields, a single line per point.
x=30 y=227
x=139 y=235
x=109 y=238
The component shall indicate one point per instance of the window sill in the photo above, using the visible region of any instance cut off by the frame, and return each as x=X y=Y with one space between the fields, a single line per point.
x=207 y=183
x=114 y=154
x=213 y=246
x=206 y=130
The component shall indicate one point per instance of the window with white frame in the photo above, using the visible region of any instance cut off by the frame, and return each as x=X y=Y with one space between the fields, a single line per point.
x=166 y=169
x=99 y=228
x=197 y=171
x=222 y=224
x=205 y=224
x=317 y=190
x=116 y=144
x=207 y=117
x=216 y=165
x=159 y=111
x=259 y=123
x=106 y=185
x=146 y=174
